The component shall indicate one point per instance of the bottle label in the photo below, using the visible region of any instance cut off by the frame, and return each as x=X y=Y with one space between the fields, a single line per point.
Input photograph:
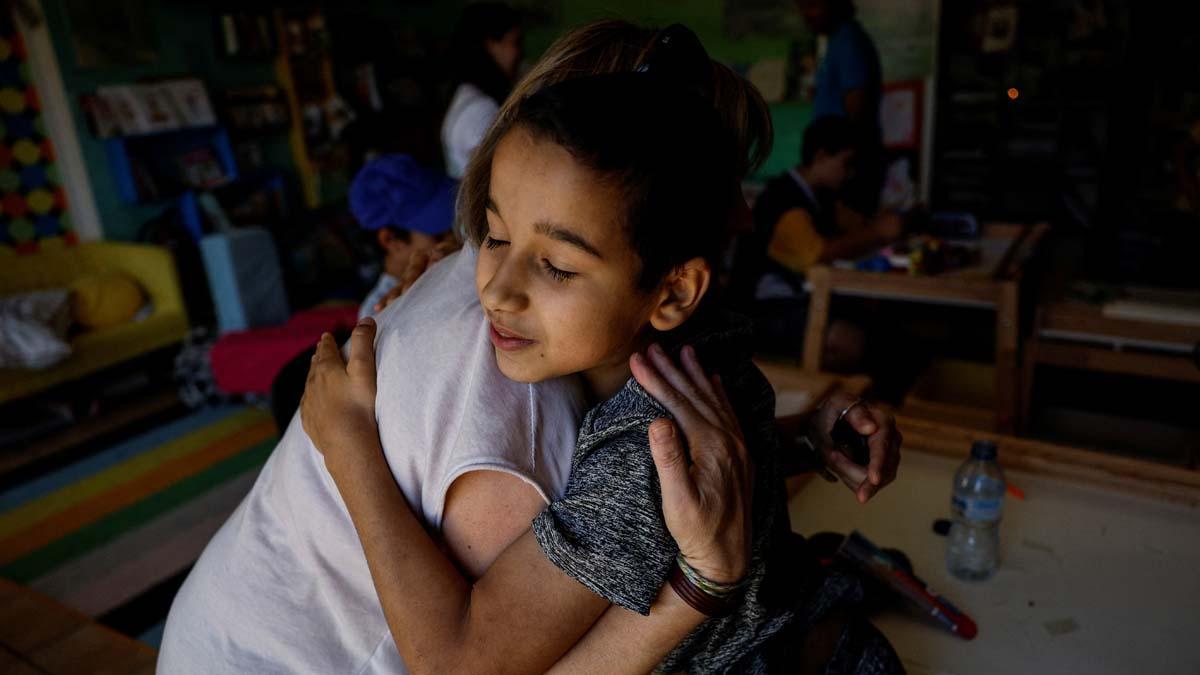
x=979 y=510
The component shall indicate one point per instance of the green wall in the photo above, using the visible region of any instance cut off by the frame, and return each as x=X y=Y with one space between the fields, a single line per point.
x=705 y=17
x=186 y=47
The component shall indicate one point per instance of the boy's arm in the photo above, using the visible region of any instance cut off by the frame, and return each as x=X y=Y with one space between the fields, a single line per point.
x=797 y=245
x=626 y=642
x=488 y=510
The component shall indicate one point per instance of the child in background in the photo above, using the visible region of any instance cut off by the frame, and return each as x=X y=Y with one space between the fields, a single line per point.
x=408 y=207
x=799 y=222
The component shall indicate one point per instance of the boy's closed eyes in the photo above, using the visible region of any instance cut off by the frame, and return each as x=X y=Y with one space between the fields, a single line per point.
x=557 y=272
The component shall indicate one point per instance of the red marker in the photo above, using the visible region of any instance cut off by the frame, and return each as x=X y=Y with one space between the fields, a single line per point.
x=874 y=561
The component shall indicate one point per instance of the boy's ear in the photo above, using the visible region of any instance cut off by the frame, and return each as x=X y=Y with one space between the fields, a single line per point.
x=387 y=238
x=680 y=294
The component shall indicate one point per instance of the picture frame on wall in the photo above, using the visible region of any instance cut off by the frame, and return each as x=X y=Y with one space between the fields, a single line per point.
x=126 y=108
x=157 y=107
x=191 y=102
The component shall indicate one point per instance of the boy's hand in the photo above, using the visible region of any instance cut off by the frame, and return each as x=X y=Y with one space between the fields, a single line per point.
x=338 y=407
x=883 y=439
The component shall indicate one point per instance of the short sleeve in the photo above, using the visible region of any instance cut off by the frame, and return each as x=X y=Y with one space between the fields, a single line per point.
x=795 y=243
x=607 y=532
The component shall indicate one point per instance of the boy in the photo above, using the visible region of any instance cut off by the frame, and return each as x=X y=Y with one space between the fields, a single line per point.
x=410 y=209
x=799 y=222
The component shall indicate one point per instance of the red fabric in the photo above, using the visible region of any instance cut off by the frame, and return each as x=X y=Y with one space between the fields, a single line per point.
x=246 y=362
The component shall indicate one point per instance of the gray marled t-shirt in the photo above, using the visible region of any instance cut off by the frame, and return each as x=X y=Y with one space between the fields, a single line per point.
x=607 y=531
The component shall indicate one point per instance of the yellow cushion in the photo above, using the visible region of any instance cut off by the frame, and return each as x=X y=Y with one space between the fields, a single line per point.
x=105 y=299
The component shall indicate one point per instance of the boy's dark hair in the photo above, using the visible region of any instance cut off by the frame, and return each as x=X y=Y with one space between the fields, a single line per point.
x=470 y=60
x=666 y=150
x=831 y=133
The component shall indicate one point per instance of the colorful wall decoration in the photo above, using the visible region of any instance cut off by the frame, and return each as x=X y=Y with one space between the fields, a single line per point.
x=33 y=204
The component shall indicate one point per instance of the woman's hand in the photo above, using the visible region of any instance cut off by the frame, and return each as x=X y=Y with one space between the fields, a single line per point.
x=883 y=439
x=707 y=503
x=338 y=407
x=418 y=262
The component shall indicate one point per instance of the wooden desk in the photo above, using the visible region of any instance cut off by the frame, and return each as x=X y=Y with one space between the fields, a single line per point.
x=1090 y=580
x=38 y=636
x=994 y=284
x=799 y=391
x=1078 y=335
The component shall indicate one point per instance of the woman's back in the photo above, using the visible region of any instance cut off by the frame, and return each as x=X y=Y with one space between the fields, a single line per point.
x=284 y=585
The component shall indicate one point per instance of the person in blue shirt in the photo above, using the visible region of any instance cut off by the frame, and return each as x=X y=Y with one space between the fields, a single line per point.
x=850 y=85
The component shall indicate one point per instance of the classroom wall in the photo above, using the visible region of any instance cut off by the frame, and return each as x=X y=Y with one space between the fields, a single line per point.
x=186 y=47
x=705 y=17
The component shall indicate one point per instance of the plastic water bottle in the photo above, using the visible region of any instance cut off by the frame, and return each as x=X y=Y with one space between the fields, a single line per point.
x=977 y=505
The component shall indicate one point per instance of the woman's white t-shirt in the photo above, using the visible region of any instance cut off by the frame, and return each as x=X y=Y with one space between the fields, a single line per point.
x=283 y=587
x=468 y=118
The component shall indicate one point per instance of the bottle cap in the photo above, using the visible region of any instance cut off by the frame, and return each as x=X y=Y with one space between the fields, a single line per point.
x=983 y=450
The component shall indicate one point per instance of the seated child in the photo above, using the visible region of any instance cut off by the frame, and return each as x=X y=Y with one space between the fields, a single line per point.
x=408 y=207
x=800 y=222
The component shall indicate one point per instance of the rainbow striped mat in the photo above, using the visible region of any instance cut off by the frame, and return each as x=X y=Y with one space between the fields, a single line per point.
x=107 y=532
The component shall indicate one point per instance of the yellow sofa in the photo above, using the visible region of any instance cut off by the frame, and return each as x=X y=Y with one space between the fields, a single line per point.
x=56 y=266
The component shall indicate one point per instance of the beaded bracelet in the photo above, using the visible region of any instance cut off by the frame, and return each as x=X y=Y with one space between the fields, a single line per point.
x=708 y=597
x=713 y=588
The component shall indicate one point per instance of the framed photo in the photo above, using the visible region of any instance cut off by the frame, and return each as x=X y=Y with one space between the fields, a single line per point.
x=157 y=107
x=126 y=108
x=191 y=102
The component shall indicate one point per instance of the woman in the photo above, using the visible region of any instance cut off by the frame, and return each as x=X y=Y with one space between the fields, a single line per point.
x=486 y=51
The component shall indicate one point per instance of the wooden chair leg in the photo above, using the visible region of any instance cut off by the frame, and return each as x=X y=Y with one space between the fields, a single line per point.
x=818 y=318
x=1029 y=360
x=1007 y=366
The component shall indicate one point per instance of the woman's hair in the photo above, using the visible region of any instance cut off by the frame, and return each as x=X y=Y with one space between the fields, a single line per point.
x=613 y=46
x=661 y=145
x=470 y=60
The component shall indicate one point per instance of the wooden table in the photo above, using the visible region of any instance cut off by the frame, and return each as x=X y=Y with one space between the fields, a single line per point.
x=38 y=636
x=994 y=284
x=1078 y=335
x=1092 y=579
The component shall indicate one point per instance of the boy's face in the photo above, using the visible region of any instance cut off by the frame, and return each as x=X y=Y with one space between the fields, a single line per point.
x=832 y=171
x=398 y=251
x=557 y=275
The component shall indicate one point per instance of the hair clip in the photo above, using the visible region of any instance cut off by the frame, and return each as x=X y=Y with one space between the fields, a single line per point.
x=678 y=55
